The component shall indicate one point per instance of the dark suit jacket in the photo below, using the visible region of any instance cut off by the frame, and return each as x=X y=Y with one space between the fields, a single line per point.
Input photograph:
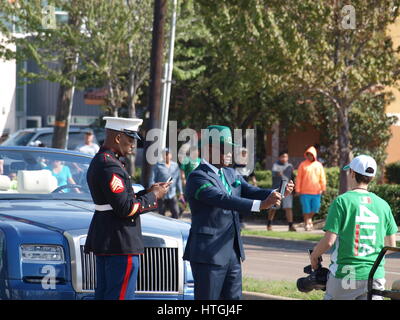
x=215 y=219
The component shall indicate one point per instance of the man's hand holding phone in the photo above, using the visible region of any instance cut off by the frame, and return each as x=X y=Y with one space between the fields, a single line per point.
x=160 y=189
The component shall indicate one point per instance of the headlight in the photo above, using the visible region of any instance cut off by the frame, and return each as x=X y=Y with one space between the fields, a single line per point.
x=42 y=253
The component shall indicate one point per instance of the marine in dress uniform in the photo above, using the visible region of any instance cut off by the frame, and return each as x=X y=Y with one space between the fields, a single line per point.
x=216 y=195
x=115 y=235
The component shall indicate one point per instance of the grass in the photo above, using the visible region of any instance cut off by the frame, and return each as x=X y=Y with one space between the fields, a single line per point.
x=283 y=235
x=280 y=288
x=288 y=235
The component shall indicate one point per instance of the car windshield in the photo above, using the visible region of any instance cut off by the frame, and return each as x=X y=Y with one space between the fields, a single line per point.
x=40 y=173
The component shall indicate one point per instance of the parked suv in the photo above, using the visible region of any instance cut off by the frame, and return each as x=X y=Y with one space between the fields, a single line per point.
x=28 y=137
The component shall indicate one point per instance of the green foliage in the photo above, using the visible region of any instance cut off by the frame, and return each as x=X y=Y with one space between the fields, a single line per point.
x=393 y=172
x=370 y=126
x=332 y=177
x=391 y=194
x=264 y=175
x=111 y=38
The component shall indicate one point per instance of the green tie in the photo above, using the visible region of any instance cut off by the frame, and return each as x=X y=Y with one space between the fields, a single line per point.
x=224 y=182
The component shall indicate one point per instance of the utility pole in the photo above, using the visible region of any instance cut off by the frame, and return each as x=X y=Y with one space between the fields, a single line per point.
x=160 y=7
x=166 y=92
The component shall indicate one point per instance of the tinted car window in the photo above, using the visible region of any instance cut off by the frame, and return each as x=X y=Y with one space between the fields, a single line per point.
x=75 y=139
x=43 y=173
x=45 y=138
x=19 y=139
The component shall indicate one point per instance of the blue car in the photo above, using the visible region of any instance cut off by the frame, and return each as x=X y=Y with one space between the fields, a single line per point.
x=44 y=218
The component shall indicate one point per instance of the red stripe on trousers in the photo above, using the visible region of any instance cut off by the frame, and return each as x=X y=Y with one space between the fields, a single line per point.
x=126 y=278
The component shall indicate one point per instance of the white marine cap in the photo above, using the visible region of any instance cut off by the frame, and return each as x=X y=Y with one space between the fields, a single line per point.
x=129 y=126
x=363 y=164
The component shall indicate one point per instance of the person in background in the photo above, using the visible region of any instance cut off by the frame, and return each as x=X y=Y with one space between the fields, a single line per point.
x=62 y=173
x=14 y=182
x=187 y=166
x=88 y=147
x=242 y=169
x=190 y=163
x=310 y=184
x=282 y=169
x=359 y=224
x=161 y=172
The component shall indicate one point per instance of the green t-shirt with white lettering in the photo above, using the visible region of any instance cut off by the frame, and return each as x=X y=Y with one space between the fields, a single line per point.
x=361 y=220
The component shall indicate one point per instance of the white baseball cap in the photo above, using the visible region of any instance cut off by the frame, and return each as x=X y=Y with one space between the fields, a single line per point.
x=129 y=126
x=363 y=164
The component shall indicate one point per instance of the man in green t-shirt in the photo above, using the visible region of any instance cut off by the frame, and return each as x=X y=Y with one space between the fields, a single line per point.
x=359 y=224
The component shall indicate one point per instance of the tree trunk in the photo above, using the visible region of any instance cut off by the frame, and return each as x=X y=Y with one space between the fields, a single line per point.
x=265 y=135
x=345 y=154
x=66 y=93
x=283 y=138
x=64 y=107
x=275 y=141
x=333 y=160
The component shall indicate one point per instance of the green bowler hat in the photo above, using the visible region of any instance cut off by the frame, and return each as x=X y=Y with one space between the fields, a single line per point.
x=224 y=135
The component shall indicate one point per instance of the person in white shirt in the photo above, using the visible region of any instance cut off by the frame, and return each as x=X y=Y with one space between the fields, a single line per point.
x=89 y=147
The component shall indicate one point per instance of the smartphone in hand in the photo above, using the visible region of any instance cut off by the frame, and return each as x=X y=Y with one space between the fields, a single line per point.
x=282 y=187
x=281 y=190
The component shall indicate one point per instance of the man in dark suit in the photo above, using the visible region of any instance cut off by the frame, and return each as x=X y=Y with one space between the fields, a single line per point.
x=216 y=194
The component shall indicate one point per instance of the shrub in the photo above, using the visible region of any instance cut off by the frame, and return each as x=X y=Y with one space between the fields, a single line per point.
x=264 y=175
x=391 y=194
x=392 y=172
x=332 y=177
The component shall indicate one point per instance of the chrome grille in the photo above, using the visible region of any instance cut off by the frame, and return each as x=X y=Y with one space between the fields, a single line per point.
x=158 y=271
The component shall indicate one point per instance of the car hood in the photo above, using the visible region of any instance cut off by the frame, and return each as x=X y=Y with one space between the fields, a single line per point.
x=62 y=215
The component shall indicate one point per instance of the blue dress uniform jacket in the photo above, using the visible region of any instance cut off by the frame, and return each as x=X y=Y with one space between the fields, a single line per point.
x=215 y=230
x=116 y=231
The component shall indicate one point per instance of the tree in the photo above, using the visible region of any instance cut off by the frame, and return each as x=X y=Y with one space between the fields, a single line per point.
x=52 y=46
x=312 y=48
x=329 y=56
x=104 y=43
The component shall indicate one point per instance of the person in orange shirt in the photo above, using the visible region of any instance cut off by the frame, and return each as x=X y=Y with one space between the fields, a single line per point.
x=310 y=184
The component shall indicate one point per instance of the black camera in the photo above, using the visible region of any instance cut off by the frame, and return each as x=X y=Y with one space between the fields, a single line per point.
x=316 y=280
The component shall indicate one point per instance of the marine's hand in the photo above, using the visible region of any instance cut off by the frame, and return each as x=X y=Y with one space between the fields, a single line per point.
x=160 y=189
x=274 y=199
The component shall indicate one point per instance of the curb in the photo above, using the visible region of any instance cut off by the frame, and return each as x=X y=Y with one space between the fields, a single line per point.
x=275 y=238
x=249 y=295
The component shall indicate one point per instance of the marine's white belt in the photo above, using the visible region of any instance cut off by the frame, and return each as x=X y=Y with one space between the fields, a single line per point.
x=102 y=207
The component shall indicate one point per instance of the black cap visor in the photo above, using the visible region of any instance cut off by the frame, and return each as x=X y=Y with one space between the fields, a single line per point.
x=132 y=134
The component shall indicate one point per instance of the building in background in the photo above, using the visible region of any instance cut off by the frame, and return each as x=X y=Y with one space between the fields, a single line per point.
x=8 y=111
x=34 y=105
